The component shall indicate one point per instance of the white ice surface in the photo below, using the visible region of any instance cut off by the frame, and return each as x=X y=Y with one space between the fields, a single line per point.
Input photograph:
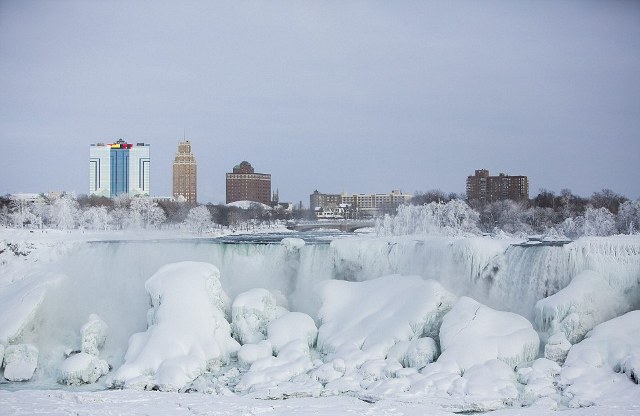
x=82 y=368
x=20 y=362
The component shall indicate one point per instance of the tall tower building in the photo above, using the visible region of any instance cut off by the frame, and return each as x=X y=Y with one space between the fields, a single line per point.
x=243 y=184
x=119 y=168
x=185 y=173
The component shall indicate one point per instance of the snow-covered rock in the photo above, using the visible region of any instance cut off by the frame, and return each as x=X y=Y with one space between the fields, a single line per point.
x=557 y=347
x=188 y=333
x=472 y=333
x=420 y=352
x=587 y=301
x=605 y=364
x=251 y=312
x=291 y=326
x=250 y=353
x=82 y=368
x=94 y=334
x=20 y=362
x=378 y=313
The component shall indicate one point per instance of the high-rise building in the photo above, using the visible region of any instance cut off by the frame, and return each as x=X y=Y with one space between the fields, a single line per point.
x=243 y=184
x=119 y=168
x=485 y=188
x=185 y=173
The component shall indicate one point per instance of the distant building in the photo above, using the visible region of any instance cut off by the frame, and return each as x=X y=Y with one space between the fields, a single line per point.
x=185 y=173
x=243 y=184
x=119 y=168
x=485 y=188
x=356 y=205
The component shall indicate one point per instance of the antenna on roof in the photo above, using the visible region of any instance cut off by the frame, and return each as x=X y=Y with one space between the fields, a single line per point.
x=184 y=134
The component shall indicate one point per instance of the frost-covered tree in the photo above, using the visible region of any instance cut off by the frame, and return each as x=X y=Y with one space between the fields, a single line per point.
x=628 y=220
x=95 y=218
x=594 y=222
x=146 y=213
x=65 y=213
x=21 y=214
x=198 y=219
x=452 y=218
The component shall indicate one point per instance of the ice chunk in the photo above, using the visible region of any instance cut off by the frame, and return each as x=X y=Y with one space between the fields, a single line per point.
x=20 y=362
x=251 y=312
x=381 y=312
x=605 y=364
x=587 y=301
x=94 y=334
x=557 y=347
x=82 y=368
x=290 y=326
x=472 y=333
x=250 y=353
x=189 y=333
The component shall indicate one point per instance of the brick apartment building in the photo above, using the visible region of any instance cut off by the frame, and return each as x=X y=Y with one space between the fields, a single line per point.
x=243 y=184
x=485 y=188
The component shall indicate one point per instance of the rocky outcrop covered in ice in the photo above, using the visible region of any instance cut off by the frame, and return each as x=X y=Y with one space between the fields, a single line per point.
x=188 y=331
x=605 y=364
x=587 y=301
x=94 y=334
x=493 y=334
x=82 y=368
x=292 y=326
x=251 y=312
x=379 y=313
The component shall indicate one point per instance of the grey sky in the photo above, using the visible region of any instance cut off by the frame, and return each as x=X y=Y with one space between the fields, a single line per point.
x=356 y=96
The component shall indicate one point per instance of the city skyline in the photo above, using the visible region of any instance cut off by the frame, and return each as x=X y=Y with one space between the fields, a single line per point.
x=347 y=97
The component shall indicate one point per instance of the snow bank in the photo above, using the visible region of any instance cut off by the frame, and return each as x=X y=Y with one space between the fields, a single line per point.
x=20 y=362
x=251 y=312
x=587 y=301
x=473 y=334
x=250 y=353
x=606 y=364
x=82 y=368
x=539 y=380
x=187 y=333
x=376 y=314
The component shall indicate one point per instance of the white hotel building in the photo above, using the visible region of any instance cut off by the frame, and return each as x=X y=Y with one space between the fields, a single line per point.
x=119 y=169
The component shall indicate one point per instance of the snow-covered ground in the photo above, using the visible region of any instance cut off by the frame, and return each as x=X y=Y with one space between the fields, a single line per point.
x=394 y=325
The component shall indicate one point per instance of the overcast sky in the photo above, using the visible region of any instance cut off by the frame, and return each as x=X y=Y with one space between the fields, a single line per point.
x=355 y=96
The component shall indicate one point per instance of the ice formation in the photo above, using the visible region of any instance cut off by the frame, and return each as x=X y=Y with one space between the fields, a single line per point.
x=586 y=301
x=376 y=314
x=20 y=362
x=384 y=308
x=82 y=368
x=493 y=334
x=251 y=312
x=292 y=326
x=605 y=364
x=188 y=332
x=94 y=334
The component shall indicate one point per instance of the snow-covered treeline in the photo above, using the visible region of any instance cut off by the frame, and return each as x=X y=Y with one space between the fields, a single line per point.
x=68 y=212
x=456 y=217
